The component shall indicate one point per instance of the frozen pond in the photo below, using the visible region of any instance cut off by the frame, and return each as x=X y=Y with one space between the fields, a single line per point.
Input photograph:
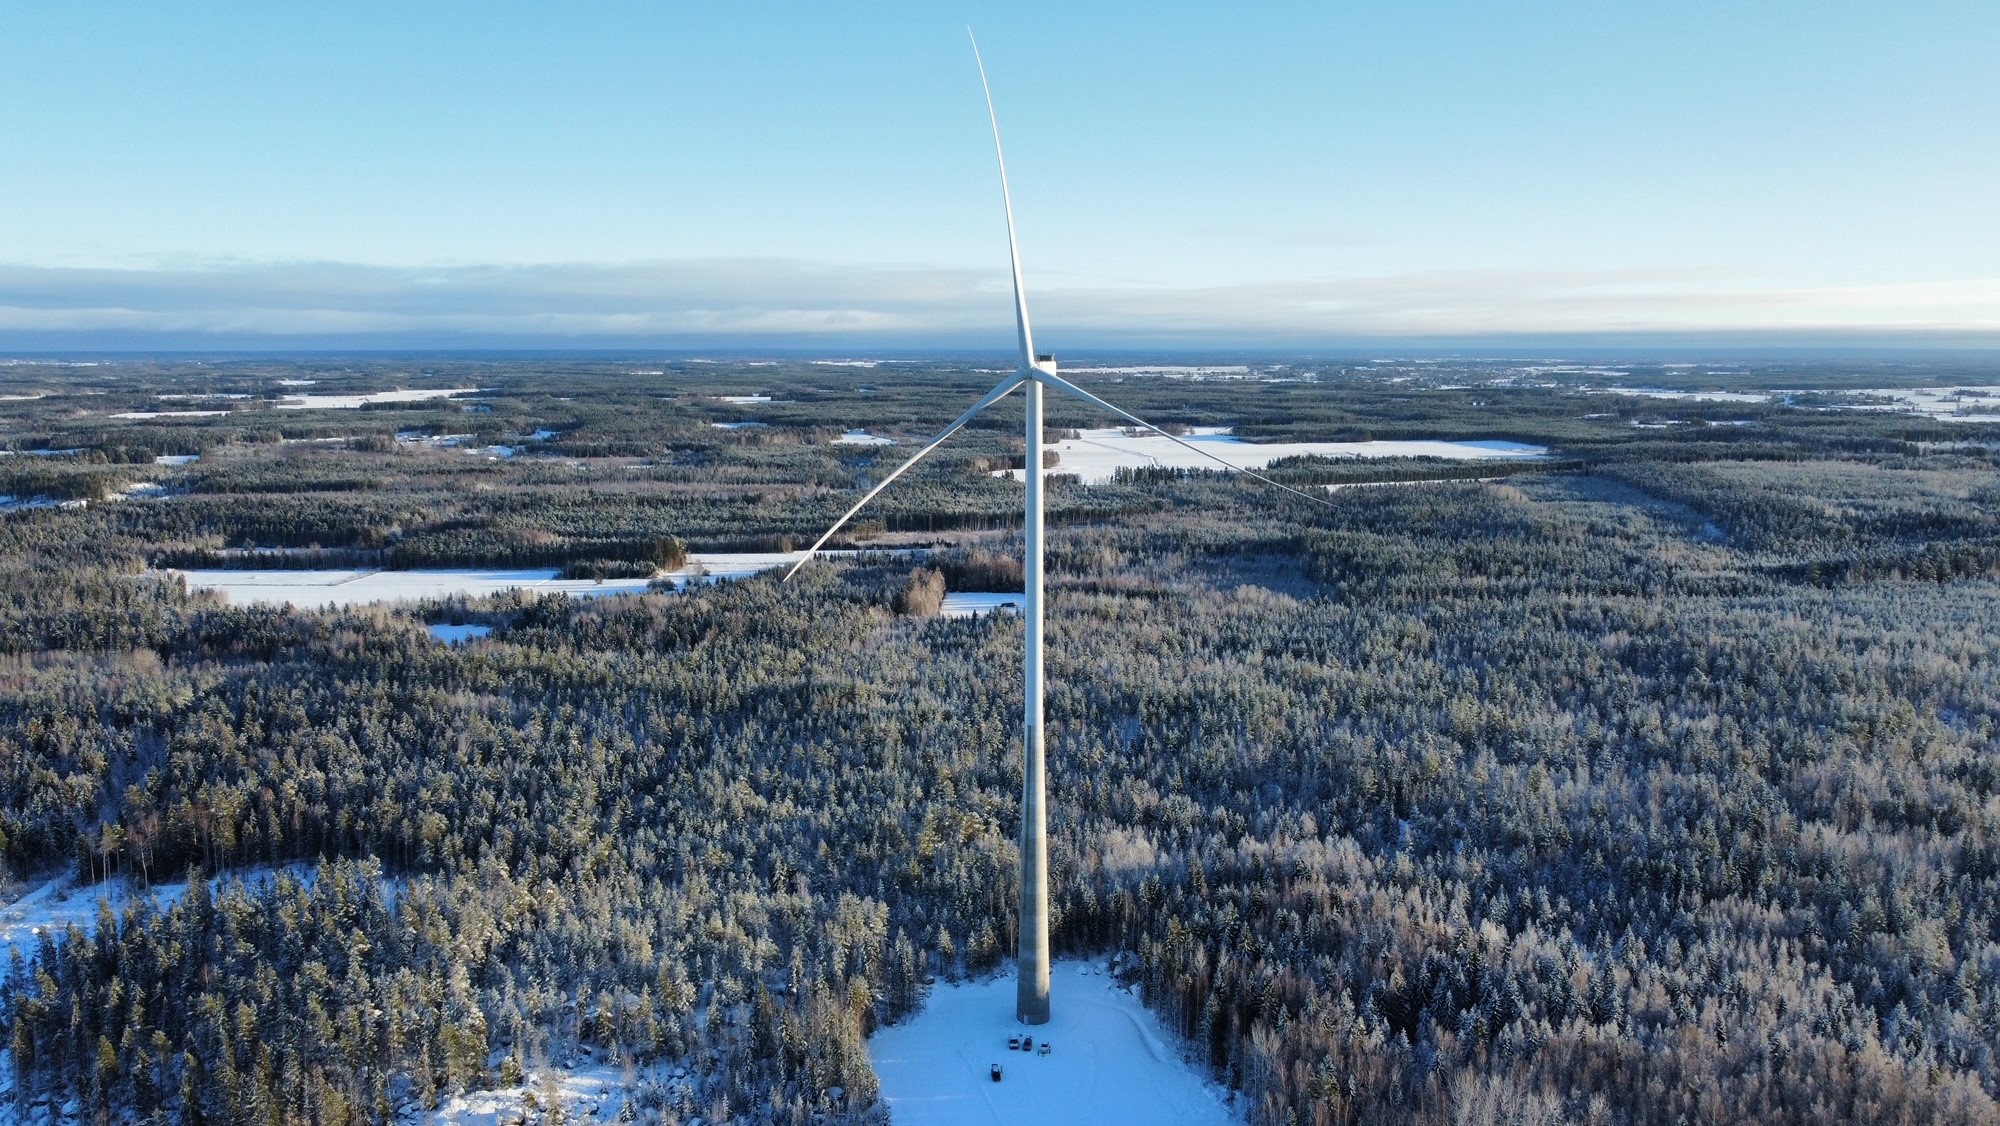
x=1098 y=454
x=315 y=589
x=1111 y=1064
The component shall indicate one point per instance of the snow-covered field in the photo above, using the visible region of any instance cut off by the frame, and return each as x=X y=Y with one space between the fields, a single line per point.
x=1098 y=454
x=971 y=604
x=1111 y=1064
x=1946 y=404
x=1694 y=396
x=169 y=414
x=315 y=589
x=305 y=401
x=862 y=438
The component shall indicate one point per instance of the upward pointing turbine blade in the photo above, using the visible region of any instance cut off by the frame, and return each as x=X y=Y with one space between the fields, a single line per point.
x=998 y=393
x=1007 y=202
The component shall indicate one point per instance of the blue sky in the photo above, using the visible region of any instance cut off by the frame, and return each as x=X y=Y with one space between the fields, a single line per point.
x=1284 y=173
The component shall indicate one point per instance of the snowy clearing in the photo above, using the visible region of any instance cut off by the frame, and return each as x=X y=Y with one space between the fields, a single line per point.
x=1172 y=371
x=1946 y=404
x=316 y=589
x=169 y=414
x=1111 y=1063
x=1098 y=454
x=862 y=438
x=306 y=401
x=1694 y=396
x=744 y=400
x=972 y=603
x=739 y=425
x=176 y=459
x=52 y=907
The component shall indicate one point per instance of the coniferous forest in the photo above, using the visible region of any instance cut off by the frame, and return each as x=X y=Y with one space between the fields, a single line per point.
x=1656 y=781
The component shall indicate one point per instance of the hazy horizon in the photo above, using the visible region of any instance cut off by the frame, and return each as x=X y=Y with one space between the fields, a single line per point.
x=631 y=176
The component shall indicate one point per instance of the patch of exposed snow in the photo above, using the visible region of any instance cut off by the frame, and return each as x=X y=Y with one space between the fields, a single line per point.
x=306 y=401
x=176 y=459
x=169 y=414
x=53 y=906
x=744 y=400
x=972 y=603
x=42 y=453
x=314 y=589
x=862 y=438
x=1111 y=1063
x=1098 y=454
x=1946 y=404
x=1182 y=370
x=297 y=382
x=1692 y=396
x=336 y=588
x=738 y=425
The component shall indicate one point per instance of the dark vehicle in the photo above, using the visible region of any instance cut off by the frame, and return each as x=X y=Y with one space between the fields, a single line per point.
x=996 y=1073
x=1027 y=1043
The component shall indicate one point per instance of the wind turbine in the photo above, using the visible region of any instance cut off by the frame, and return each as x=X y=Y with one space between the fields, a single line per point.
x=1035 y=373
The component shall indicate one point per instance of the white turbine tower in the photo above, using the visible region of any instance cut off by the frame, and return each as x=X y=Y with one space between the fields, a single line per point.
x=1035 y=373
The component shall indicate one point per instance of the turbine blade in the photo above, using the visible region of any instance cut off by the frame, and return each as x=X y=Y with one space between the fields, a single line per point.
x=1007 y=202
x=998 y=393
x=1062 y=384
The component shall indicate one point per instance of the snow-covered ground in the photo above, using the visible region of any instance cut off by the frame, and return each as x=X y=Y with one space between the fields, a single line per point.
x=169 y=414
x=305 y=401
x=862 y=438
x=1946 y=404
x=176 y=459
x=739 y=425
x=1111 y=1063
x=1695 y=396
x=1183 y=370
x=744 y=400
x=315 y=589
x=972 y=603
x=1097 y=455
x=56 y=904
x=585 y=1094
